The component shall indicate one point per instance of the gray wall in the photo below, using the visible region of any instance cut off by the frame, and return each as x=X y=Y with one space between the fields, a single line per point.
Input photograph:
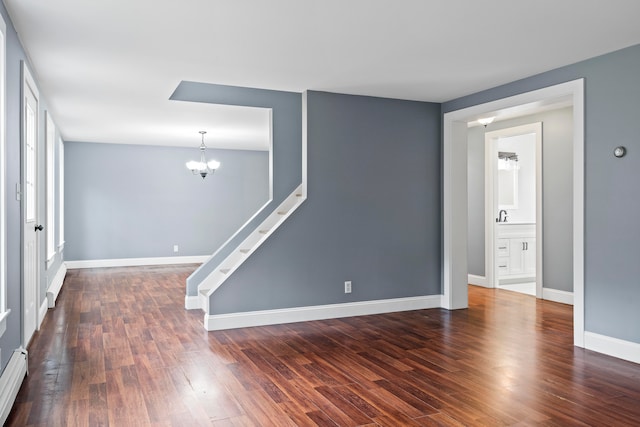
x=372 y=216
x=612 y=193
x=131 y=201
x=557 y=134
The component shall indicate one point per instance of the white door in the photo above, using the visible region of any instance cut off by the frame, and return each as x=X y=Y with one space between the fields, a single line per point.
x=30 y=273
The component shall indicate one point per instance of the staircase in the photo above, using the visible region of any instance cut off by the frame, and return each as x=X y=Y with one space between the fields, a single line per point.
x=252 y=242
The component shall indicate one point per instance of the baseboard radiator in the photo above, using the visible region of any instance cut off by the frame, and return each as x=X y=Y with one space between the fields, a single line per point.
x=11 y=380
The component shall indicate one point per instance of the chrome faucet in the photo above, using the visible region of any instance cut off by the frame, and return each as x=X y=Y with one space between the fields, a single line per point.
x=500 y=219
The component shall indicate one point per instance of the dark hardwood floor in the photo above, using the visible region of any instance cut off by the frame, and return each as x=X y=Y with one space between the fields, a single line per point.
x=120 y=350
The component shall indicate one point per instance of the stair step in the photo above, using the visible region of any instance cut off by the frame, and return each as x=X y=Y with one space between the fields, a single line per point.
x=225 y=270
x=263 y=231
x=203 y=292
x=299 y=195
x=245 y=251
x=282 y=212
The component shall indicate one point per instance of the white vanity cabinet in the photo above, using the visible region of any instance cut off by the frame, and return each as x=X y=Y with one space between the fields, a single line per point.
x=516 y=251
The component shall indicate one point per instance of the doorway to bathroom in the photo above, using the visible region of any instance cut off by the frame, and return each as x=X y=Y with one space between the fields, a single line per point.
x=513 y=208
x=564 y=226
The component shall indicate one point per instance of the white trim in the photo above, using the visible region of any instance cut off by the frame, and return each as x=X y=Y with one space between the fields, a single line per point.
x=477 y=280
x=318 y=312
x=49 y=262
x=3 y=177
x=50 y=186
x=578 y=212
x=270 y=173
x=615 y=347
x=133 y=262
x=539 y=211
x=10 y=382
x=454 y=203
x=490 y=204
x=192 y=302
x=3 y=321
x=60 y=194
x=30 y=81
x=56 y=285
x=556 y=295
x=42 y=312
x=304 y=143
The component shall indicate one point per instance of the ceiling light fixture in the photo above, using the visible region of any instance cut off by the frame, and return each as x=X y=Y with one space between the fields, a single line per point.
x=486 y=121
x=203 y=168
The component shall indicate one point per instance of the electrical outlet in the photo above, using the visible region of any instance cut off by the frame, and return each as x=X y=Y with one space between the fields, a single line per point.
x=175 y=248
x=347 y=287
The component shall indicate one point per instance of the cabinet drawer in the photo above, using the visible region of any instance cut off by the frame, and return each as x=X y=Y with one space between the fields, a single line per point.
x=503 y=266
x=502 y=247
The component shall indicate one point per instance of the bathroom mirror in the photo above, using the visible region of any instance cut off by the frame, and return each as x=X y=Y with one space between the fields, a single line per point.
x=507 y=180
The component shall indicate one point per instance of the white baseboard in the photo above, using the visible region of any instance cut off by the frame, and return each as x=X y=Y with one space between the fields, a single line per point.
x=477 y=280
x=10 y=382
x=192 y=302
x=42 y=312
x=555 y=295
x=134 y=262
x=615 y=347
x=56 y=285
x=319 y=312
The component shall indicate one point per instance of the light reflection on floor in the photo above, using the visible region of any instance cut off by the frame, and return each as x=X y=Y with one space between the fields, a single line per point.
x=523 y=288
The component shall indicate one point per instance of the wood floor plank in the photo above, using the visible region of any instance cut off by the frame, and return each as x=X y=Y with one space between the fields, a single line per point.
x=119 y=349
x=351 y=411
x=340 y=414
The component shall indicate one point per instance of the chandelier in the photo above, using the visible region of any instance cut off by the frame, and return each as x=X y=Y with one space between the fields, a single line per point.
x=202 y=167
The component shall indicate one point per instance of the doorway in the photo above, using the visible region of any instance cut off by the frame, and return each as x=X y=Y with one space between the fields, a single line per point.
x=513 y=209
x=455 y=191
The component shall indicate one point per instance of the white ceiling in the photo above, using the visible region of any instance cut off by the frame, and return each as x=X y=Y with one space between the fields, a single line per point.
x=108 y=67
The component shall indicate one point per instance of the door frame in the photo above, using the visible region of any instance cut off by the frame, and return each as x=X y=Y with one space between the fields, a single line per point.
x=28 y=84
x=455 y=214
x=490 y=202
